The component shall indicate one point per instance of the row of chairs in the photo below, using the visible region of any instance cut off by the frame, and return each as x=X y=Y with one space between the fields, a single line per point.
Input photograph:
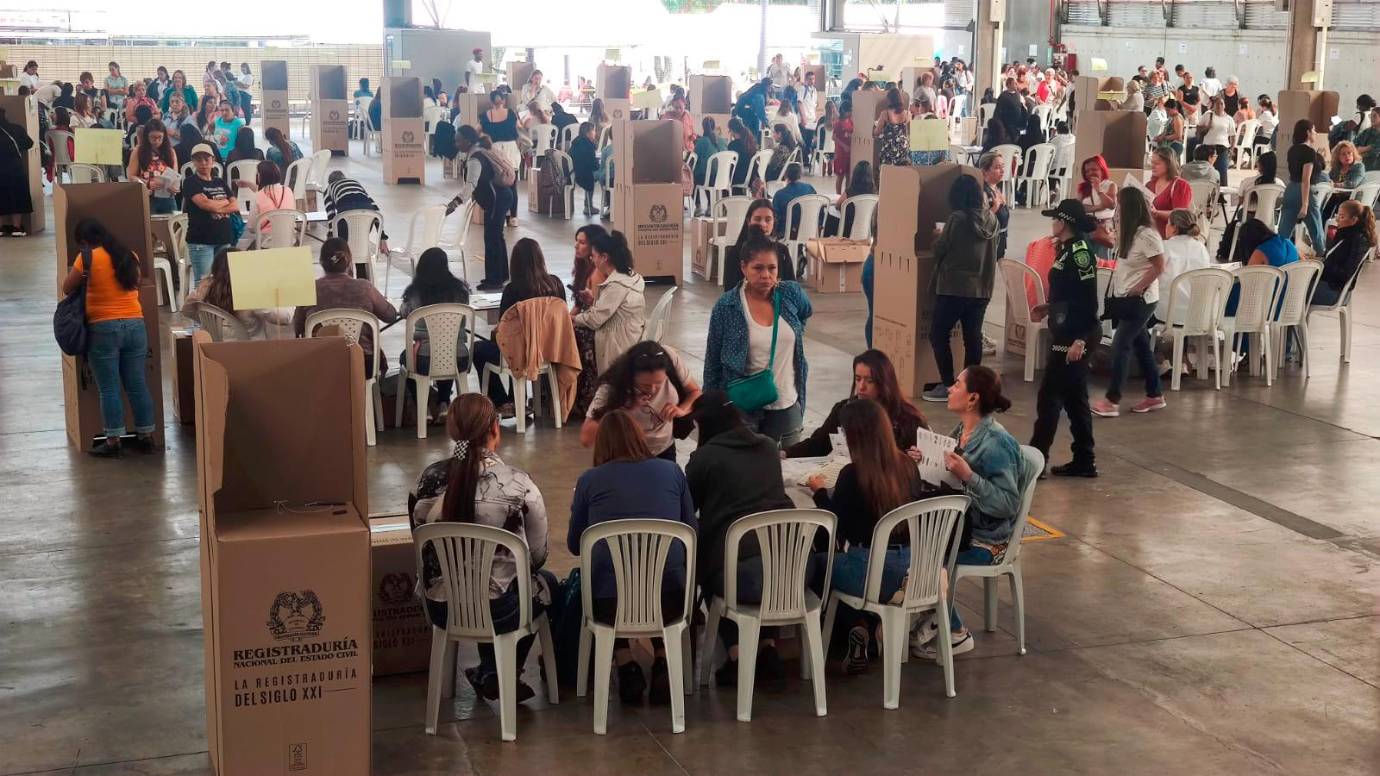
x=719 y=173
x=804 y=218
x=639 y=549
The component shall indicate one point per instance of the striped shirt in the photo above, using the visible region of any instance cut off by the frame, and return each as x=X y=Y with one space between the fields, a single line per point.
x=347 y=194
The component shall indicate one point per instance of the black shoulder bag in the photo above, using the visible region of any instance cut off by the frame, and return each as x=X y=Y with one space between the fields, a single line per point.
x=69 y=320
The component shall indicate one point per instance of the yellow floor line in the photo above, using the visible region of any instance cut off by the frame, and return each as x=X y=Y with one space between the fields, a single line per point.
x=1050 y=531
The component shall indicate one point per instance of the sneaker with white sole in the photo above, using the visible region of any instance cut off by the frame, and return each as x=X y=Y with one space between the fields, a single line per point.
x=856 y=660
x=1150 y=404
x=989 y=345
x=961 y=642
x=939 y=392
x=1104 y=409
x=922 y=635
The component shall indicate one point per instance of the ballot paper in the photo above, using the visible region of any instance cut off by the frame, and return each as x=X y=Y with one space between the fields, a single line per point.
x=1132 y=180
x=932 y=448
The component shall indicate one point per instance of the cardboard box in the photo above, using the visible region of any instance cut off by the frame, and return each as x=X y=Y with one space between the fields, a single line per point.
x=184 y=382
x=613 y=85
x=123 y=209
x=701 y=230
x=24 y=112
x=1119 y=136
x=274 y=102
x=650 y=215
x=867 y=106
x=472 y=106
x=836 y=264
x=402 y=632
x=404 y=138
x=1089 y=90
x=519 y=73
x=284 y=555
x=330 y=110
x=1317 y=107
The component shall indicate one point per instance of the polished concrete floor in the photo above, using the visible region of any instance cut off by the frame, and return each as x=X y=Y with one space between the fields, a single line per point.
x=1211 y=606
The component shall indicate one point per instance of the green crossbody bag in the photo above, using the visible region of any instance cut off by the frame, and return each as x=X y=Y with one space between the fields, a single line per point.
x=757 y=390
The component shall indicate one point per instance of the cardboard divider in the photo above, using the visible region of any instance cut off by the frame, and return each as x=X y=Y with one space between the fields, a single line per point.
x=1090 y=90
x=124 y=211
x=647 y=204
x=836 y=264
x=712 y=96
x=613 y=85
x=24 y=112
x=274 y=102
x=404 y=138
x=1317 y=106
x=472 y=106
x=402 y=632
x=519 y=73
x=285 y=555
x=330 y=110
x=867 y=106
x=1119 y=136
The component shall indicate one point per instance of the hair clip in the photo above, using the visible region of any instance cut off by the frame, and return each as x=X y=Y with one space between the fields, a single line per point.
x=462 y=448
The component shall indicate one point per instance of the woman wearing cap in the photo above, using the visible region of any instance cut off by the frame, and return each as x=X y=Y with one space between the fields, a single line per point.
x=1073 y=323
x=209 y=206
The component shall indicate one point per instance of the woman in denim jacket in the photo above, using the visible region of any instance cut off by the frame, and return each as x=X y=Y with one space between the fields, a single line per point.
x=989 y=463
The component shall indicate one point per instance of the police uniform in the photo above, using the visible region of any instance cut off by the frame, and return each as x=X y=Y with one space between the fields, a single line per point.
x=1072 y=316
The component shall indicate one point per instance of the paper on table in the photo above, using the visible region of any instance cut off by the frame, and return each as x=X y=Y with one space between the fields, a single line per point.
x=929 y=135
x=647 y=100
x=98 y=146
x=932 y=447
x=279 y=277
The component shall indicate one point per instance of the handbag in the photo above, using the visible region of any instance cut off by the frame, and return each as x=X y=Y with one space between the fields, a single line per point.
x=236 y=227
x=757 y=390
x=69 y=319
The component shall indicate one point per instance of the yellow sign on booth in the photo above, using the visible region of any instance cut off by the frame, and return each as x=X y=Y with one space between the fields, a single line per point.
x=647 y=100
x=98 y=146
x=278 y=277
x=929 y=135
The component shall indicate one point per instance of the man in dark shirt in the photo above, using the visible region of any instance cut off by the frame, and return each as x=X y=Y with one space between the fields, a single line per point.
x=1010 y=110
x=1073 y=324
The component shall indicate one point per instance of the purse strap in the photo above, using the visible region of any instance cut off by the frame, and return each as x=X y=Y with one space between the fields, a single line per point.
x=775 y=322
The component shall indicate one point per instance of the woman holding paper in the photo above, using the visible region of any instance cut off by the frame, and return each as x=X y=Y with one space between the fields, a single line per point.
x=154 y=163
x=874 y=377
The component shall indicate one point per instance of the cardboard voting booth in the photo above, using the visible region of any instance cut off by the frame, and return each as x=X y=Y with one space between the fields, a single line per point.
x=402 y=632
x=24 y=112
x=647 y=195
x=1119 y=136
x=284 y=555
x=1317 y=107
x=913 y=202
x=123 y=209
x=613 y=85
x=1098 y=93
x=404 y=138
x=519 y=73
x=274 y=103
x=712 y=96
x=330 y=110
x=701 y=231
x=836 y=264
x=183 y=382
x=867 y=106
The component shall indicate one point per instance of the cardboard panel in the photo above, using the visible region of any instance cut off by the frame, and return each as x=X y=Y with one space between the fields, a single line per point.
x=836 y=264
x=402 y=632
x=274 y=103
x=472 y=106
x=1118 y=135
x=273 y=73
x=330 y=111
x=404 y=138
x=24 y=112
x=519 y=73
x=711 y=95
x=1088 y=90
x=651 y=216
x=912 y=200
x=867 y=106
x=1317 y=107
x=613 y=82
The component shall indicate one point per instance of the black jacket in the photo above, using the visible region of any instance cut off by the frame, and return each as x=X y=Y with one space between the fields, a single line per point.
x=735 y=474
x=1073 y=295
x=1011 y=113
x=856 y=517
x=585 y=158
x=818 y=444
x=1344 y=256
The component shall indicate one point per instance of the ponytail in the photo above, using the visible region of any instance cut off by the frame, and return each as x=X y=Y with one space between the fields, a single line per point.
x=335 y=255
x=615 y=246
x=1365 y=219
x=468 y=423
x=92 y=234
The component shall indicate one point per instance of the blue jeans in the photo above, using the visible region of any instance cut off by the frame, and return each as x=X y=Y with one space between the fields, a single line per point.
x=1132 y=337
x=117 y=355
x=973 y=556
x=201 y=257
x=1293 y=208
x=868 y=278
x=782 y=426
x=161 y=206
x=850 y=571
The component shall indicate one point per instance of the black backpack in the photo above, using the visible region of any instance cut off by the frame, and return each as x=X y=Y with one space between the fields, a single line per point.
x=69 y=319
x=443 y=140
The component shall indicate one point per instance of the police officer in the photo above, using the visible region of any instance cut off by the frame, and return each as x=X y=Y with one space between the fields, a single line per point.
x=1073 y=324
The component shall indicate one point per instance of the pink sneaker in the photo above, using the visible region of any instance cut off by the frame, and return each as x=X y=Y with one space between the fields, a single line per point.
x=1105 y=409
x=1150 y=404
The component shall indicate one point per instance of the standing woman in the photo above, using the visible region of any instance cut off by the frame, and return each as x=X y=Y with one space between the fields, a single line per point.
x=116 y=86
x=651 y=383
x=617 y=315
x=151 y=160
x=226 y=127
x=1171 y=191
x=965 y=254
x=1305 y=170
x=1220 y=131
x=843 y=145
x=759 y=327
x=892 y=130
x=501 y=125
x=209 y=206
x=1131 y=299
x=15 y=200
x=118 y=341
x=586 y=281
x=482 y=183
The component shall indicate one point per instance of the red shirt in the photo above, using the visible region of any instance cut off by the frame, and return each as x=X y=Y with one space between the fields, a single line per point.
x=1175 y=196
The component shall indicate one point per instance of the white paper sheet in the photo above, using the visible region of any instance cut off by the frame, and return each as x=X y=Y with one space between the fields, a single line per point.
x=932 y=447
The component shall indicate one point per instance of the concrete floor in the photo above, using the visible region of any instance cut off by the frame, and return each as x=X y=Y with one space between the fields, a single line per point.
x=1211 y=608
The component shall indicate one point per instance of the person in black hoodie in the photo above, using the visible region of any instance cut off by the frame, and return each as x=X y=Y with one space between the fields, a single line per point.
x=1355 y=235
x=735 y=472
x=874 y=377
x=584 y=154
x=1073 y=323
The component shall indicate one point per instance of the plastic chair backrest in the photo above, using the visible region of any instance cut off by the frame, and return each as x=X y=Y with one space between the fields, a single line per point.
x=785 y=540
x=351 y=323
x=655 y=328
x=285 y=228
x=295 y=177
x=1203 y=195
x=811 y=207
x=1344 y=299
x=567 y=166
x=85 y=173
x=985 y=113
x=932 y=524
x=1367 y=194
x=463 y=217
x=362 y=229
x=1012 y=155
x=57 y=140
x=757 y=166
x=568 y=135
x=1201 y=313
x=320 y=169
x=638 y=549
x=729 y=215
x=543 y=138
x=719 y=170
x=1014 y=275
x=466 y=554
x=444 y=323
x=1039 y=161
x=826 y=143
x=1034 y=466
x=221 y=325
x=863 y=207
x=1245 y=134
x=1259 y=285
x=177 y=229
x=1300 y=278
x=1063 y=161
x=1264 y=198
x=425 y=230
x=244 y=169
x=1045 y=113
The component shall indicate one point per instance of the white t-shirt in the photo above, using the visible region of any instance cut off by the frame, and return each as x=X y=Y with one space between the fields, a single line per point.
x=759 y=355
x=1219 y=129
x=1130 y=269
x=647 y=411
x=31 y=81
x=543 y=95
x=1181 y=254
x=474 y=69
x=806 y=103
x=244 y=81
x=1268 y=121
x=1211 y=86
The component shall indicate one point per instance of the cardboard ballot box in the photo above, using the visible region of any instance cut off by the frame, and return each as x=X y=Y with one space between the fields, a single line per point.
x=647 y=205
x=330 y=110
x=402 y=632
x=284 y=555
x=1119 y=136
x=404 y=137
x=836 y=264
x=274 y=103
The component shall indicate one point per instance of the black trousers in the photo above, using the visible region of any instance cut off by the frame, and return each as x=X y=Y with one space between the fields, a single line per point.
x=950 y=310
x=1064 y=388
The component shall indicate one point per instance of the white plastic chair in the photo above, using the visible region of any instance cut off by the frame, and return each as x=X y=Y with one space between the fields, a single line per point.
x=1205 y=194
x=295 y=178
x=1198 y=315
x=1260 y=286
x=223 y=326
x=660 y=318
x=718 y=179
x=1061 y=172
x=862 y=207
x=163 y=276
x=320 y=169
x=1010 y=565
x=1035 y=173
x=1245 y=143
x=351 y=322
x=1014 y=275
x=567 y=193
x=1045 y=113
x=363 y=231
x=453 y=239
x=466 y=554
x=285 y=229
x=178 y=252
x=806 y=224
x=1300 y=280
x=432 y=118
x=445 y=323
x=243 y=170
x=824 y=152
x=1011 y=154
x=543 y=140
x=728 y=214
x=1343 y=309
x=985 y=113
x=757 y=168
x=424 y=232
x=372 y=134
x=638 y=549
x=786 y=539
x=1367 y=194
x=78 y=172
x=933 y=524
x=57 y=145
x=520 y=386
x=568 y=135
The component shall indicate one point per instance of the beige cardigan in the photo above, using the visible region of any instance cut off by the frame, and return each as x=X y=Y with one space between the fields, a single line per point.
x=618 y=316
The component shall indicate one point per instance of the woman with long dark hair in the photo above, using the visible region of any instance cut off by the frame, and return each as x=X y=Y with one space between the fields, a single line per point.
x=760 y=222
x=473 y=485
x=1131 y=299
x=281 y=151
x=892 y=130
x=244 y=148
x=617 y=315
x=433 y=283
x=530 y=280
x=500 y=124
x=651 y=382
x=744 y=144
x=150 y=164
x=586 y=281
x=1305 y=170
x=118 y=340
x=874 y=377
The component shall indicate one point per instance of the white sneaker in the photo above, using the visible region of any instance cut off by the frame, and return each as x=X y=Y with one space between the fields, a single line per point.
x=989 y=345
x=960 y=643
x=922 y=634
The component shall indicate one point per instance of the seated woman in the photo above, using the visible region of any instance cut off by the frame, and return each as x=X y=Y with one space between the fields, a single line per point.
x=338 y=288
x=215 y=290
x=878 y=479
x=783 y=149
x=628 y=482
x=1348 y=172
x=859 y=182
x=270 y=194
x=1355 y=236
x=583 y=287
x=281 y=151
x=989 y=463
x=474 y=485
x=244 y=149
x=585 y=157
x=744 y=143
x=874 y=378
x=618 y=314
x=528 y=280
x=733 y=473
x=761 y=222
x=651 y=382
x=433 y=283
x=707 y=145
